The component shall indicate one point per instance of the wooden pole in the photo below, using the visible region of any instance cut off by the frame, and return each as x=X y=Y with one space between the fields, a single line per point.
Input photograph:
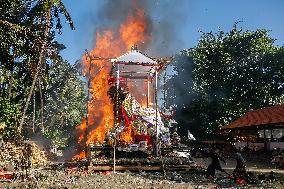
x=156 y=116
x=92 y=58
x=148 y=92
x=164 y=91
x=88 y=99
x=114 y=155
x=116 y=122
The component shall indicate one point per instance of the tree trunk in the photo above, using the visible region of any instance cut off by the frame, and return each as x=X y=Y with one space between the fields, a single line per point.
x=41 y=106
x=10 y=86
x=11 y=69
x=38 y=69
x=34 y=113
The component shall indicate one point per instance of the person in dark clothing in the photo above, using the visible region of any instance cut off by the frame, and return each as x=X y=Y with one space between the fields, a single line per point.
x=240 y=169
x=215 y=164
x=240 y=161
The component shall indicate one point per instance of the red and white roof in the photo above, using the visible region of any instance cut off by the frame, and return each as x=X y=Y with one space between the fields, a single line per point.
x=135 y=65
x=134 y=57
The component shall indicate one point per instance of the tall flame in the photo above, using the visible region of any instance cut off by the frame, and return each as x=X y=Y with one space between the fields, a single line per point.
x=109 y=44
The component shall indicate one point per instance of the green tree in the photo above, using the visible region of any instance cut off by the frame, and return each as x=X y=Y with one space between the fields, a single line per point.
x=65 y=100
x=46 y=12
x=232 y=73
x=16 y=42
x=9 y=115
x=27 y=47
x=236 y=72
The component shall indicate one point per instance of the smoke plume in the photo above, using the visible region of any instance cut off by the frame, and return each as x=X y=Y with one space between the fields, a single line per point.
x=165 y=21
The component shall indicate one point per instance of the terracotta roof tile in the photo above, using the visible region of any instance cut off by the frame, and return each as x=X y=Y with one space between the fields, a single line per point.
x=261 y=117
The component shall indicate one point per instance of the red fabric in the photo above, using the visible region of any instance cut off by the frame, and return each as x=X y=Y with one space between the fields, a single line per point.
x=134 y=117
x=126 y=118
x=166 y=116
x=106 y=173
x=142 y=137
x=6 y=176
x=230 y=177
x=137 y=138
x=241 y=182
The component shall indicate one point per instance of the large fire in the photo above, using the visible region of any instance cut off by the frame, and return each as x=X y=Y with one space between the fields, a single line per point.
x=109 y=44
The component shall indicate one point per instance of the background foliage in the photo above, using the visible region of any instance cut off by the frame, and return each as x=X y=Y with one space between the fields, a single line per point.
x=9 y=114
x=224 y=76
x=27 y=32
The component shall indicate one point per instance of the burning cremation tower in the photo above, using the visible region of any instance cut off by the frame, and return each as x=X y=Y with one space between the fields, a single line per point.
x=138 y=74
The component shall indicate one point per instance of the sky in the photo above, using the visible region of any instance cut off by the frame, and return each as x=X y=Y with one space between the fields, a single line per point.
x=183 y=18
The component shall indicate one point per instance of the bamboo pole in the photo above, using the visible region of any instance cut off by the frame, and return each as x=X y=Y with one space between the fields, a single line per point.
x=92 y=58
x=148 y=92
x=88 y=99
x=156 y=112
x=116 y=123
x=164 y=91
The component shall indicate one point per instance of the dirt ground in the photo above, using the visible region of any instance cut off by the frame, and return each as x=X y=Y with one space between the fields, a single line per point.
x=252 y=165
x=153 y=180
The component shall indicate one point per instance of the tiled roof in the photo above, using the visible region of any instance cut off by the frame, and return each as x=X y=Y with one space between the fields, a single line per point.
x=266 y=116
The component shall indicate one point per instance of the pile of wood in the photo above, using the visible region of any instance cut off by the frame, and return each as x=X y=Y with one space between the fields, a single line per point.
x=21 y=156
x=38 y=156
x=10 y=156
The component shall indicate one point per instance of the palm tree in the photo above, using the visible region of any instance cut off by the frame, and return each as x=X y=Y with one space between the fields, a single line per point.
x=46 y=12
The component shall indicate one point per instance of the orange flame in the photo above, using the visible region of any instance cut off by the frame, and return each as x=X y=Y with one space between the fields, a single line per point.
x=109 y=44
x=81 y=155
x=126 y=136
x=133 y=31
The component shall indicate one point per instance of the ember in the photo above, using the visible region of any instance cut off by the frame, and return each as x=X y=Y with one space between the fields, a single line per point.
x=81 y=155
